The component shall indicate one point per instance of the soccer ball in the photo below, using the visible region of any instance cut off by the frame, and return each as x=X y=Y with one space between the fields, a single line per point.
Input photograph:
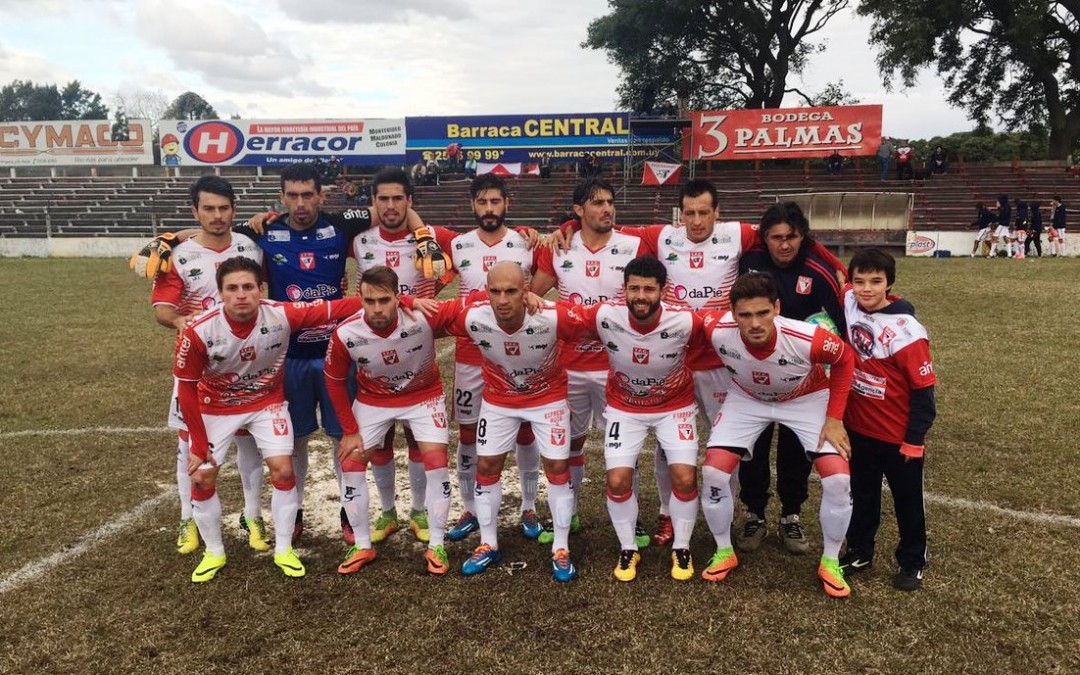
x=823 y=319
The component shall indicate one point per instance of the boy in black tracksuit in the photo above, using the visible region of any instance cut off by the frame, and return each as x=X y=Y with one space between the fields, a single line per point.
x=890 y=409
x=807 y=284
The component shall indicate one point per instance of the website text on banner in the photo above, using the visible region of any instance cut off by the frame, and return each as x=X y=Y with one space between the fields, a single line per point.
x=80 y=142
x=369 y=142
x=811 y=133
x=527 y=138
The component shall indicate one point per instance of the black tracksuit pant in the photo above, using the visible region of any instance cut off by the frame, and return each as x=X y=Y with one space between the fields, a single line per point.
x=870 y=460
x=792 y=472
x=1033 y=238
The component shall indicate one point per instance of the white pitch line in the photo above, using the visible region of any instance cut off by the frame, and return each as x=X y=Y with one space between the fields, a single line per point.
x=33 y=570
x=83 y=430
x=986 y=507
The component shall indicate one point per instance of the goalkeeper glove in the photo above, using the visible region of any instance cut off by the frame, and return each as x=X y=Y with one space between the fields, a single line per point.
x=154 y=257
x=430 y=261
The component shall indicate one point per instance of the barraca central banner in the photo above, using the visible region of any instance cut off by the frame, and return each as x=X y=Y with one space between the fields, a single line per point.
x=526 y=138
x=370 y=142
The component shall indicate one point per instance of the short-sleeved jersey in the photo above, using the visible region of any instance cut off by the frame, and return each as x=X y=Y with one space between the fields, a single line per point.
x=792 y=366
x=395 y=367
x=522 y=368
x=304 y=265
x=472 y=260
x=190 y=285
x=647 y=370
x=240 y=368
x=892 y=357
x=397 y=250
x=586 y=277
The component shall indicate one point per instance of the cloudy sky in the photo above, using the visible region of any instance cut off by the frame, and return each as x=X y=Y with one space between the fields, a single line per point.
x=376 y=58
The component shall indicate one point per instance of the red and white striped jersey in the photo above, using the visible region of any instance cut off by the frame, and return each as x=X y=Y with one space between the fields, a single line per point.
x=397 y=250
x=240 y=367
x=586 y=277
x=647 y=369
x=395 y=367
x=472 y=260
x=190 y=285
x=892 y=357
x=522 y=369
x=792 y=366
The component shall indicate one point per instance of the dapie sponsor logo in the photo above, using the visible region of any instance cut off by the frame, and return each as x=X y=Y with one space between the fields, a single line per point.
x=298 y=294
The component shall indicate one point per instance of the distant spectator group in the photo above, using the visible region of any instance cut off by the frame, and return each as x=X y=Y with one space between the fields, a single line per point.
x=903 y=155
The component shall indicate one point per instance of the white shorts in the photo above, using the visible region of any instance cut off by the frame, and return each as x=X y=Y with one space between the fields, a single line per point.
x=710 y=390
x=271 y=428
x=468 y=388
x=1002 y=231
x=982 y=234
x=176 y=420
x=742 y=419
x=497 y=429
x=586 y=395
x=427 y=420
x=624 y=437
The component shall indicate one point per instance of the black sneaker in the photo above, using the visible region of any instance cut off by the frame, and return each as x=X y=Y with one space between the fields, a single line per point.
x=907 y=579
x=753 y=533
x=852 y=562
x=791 y=535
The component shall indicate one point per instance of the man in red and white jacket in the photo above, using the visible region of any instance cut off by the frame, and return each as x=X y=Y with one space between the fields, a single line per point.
x=891 y=408
x=230 y=367
x=777 y=367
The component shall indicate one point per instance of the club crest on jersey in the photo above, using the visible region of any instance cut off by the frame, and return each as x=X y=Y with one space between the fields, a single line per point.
x=592 y=268
x=641 y=355
x=558 y=436
x=512 y=348
x=281 y=426
x=686 y=432
x=393 y=259
x=439 y=420
x=247 y=353
x=886 y=337
x=697 y=259
x=761 y=378
x=489 y=260
x=390 y=357
x=307 y=261
x=803 y=285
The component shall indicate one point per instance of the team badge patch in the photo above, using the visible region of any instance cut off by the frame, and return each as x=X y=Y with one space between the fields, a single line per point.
x=686 y=432
x=761 y=378
x=512 y=348
x=803 y=285
x=247 y=353
x=390 y=357
x=641 y=355
x=558 y=436
x=592 y=268
x=393 y=259
x=439 y=420
x=489 y=260
x=697 y=259
x=307 y=261
x=281 y=426
x=886 y=337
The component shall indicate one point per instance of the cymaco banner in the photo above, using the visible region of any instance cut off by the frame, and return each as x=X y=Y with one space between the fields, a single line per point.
x=80 y=142
x=527 y=138
x=369 y=142
x=812 y=133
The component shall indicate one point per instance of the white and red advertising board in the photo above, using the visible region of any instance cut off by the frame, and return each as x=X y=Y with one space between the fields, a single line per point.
x=71 y=143
x=853 y=130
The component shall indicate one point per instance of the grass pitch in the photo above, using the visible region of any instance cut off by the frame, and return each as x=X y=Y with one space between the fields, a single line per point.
x=81 y=350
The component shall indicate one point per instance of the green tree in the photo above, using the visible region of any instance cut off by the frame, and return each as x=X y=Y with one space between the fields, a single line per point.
x=710 y=53
x=22 y=100
x=190 y=106
x=120 y=131
x=1017 y=60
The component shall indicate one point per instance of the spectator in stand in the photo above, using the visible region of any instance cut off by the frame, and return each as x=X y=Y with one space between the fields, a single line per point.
x=470 y=168
x=351 y=194
x=333 y=169
x=834 y=164
x=1035 y=228
x=432 y=175
x=938 y=164
x=1057 y=228
x=453 y=157
x=590 y=168
x=905 y=162
x=884 y=154
x=418 y=174
x=545 y=167
x=1020 y=226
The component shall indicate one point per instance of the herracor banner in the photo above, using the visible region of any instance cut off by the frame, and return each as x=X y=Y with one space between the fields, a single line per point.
x=812 y=133
x=73 y=143
x=371 y=142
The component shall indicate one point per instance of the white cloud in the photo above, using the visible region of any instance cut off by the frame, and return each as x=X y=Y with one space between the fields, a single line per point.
x=373 y=11
x=17 y=64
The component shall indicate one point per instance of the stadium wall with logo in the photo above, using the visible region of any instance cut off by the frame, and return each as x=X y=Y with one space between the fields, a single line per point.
x=74 y=143
x=925 y=243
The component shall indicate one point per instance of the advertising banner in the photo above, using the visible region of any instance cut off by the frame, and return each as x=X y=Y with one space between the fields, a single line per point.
x=526 y=138
x=661 y=173
x=72 y=143
x=371 y=142
x=812 y=133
